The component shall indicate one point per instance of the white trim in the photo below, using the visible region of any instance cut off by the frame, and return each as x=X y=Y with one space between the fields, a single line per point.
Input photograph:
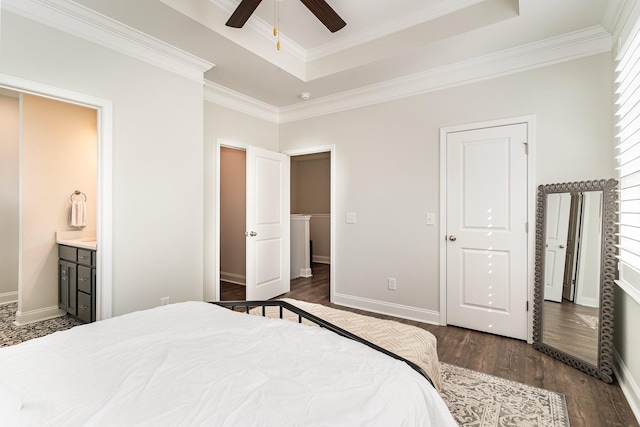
x=630 y=388
x=80 y=21
x=389 y=309
x=629 y=289
x=305 y=272
x=104 y=231
x=332 y=244
x=24 y=318
x=225 y=97
x=530 y=121
x=8 y=297
x=578 y=44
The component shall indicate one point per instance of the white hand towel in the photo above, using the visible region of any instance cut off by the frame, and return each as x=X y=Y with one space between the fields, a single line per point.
x=78 y=214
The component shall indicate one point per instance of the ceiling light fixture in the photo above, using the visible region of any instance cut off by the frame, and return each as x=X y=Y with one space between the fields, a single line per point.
x=305 y=96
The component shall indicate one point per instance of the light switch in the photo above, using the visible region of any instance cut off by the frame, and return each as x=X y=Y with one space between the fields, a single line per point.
x=351 y=217
x=430 y=218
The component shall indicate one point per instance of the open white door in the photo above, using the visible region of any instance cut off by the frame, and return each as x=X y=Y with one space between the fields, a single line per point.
x=268 y=208
x=558 y=208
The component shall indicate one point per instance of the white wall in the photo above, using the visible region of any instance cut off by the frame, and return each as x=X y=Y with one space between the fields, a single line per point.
x=9 y=184
x=157 y=156
x=387 y=167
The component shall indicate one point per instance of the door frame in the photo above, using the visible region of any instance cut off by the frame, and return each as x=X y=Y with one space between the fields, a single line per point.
x=216 y=284
x=104 y=208
x=530 y=121
x=331 y=149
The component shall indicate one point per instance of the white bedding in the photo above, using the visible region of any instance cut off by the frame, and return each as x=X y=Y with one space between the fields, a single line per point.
x=198 y=364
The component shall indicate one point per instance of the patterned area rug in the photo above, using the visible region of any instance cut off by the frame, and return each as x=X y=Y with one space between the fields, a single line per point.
x=480 y=400
x=590 y=321
x=11 y=334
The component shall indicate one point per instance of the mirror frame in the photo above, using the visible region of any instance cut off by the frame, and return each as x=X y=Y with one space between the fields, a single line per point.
x=608 y=275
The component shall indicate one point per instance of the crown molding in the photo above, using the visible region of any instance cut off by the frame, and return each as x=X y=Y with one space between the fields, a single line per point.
x=590 y=41
x=225 y=97
x=578 y=44
x=80 y=21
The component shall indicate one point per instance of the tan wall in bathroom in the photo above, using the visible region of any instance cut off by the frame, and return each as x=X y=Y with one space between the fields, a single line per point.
x=9 y=209
x=59 y=155
x=233 y=243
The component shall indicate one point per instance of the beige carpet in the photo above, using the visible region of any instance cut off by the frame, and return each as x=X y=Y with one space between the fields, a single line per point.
x=480 y=400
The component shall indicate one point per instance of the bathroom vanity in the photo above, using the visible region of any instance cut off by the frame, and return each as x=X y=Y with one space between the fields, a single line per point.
x=77 y=278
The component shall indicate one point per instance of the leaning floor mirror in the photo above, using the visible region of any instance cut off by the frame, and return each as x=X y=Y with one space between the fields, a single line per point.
x=575 y=269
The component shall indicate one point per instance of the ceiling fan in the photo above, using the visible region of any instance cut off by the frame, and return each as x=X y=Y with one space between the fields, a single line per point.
x=319 y=8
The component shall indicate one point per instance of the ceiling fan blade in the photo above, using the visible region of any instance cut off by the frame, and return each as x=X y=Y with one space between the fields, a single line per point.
x=242 y=13
x=325 y=14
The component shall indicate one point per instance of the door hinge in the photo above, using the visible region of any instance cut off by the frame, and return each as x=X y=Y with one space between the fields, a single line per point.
x=527 y=305
x=526 y=227
x=526 y=148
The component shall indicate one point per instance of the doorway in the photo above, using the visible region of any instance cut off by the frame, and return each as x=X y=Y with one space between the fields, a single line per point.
x=485 y=202
x=103 y=111
x=266 y=221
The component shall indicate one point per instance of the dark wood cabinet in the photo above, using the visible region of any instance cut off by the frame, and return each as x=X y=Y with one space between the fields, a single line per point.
x=77 y=282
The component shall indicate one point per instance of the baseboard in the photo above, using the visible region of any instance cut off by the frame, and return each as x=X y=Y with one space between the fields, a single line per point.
x=389 y=309
x=305 y=272
x=628 y=384
x=8 y=297
x=38 y=315
x=236 y=279
x=321 y=259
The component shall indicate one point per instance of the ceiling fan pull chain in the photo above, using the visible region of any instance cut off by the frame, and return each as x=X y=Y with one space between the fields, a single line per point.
x=276 y=18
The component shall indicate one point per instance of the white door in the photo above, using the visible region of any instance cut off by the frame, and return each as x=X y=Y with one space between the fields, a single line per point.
x=267 y=224
x=558 y=208
x=486 y=252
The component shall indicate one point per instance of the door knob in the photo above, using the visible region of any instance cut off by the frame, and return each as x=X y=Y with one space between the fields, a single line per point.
x=561 y=246
x=252 y=234
x=452 y=238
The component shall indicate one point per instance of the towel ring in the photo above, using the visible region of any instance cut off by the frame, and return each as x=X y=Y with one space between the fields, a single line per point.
x=78 y=193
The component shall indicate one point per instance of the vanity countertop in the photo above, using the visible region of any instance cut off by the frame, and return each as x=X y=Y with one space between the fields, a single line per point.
x=84 y=243
x=77 y=239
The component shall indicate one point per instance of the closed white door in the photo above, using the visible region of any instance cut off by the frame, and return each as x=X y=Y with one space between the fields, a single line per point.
x=486 y=223
x=557 y=213
x=267 y=224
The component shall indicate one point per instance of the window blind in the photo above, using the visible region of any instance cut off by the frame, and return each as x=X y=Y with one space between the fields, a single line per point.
x=628 y=157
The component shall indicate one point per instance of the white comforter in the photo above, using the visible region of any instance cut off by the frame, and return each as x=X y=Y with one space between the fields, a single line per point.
x=198 y=364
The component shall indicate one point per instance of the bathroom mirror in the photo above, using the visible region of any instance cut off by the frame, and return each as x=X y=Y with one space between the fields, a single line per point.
x=575 y=269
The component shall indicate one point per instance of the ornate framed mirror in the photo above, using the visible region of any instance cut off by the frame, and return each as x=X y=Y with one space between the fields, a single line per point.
x=575 y=269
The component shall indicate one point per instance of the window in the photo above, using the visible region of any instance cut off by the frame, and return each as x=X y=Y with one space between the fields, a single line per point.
x=628 y=156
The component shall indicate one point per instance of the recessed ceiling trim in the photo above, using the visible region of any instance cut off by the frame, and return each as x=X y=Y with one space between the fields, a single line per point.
x=578 y=44
x=362 y=37
x=80 y=21
x=225 y=97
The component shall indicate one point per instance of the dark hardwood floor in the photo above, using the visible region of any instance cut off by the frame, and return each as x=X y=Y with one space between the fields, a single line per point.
x=590 y=402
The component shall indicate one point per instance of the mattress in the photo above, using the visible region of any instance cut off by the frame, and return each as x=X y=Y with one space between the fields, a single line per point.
x=195 y=363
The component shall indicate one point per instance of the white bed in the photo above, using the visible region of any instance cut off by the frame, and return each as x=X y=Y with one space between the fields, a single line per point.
x=196 y=363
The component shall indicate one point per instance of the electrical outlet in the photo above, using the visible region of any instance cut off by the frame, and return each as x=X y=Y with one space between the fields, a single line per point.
x=165 y=300
x=392 y=283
